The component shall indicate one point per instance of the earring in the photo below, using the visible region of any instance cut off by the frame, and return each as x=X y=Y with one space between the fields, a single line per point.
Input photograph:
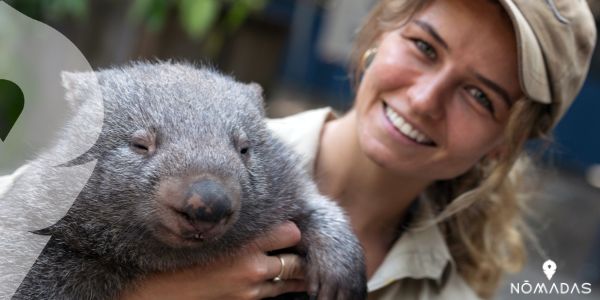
x=368 y=57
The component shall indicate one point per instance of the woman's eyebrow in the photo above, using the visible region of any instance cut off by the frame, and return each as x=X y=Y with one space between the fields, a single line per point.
x=495 y=87
x=429 y=29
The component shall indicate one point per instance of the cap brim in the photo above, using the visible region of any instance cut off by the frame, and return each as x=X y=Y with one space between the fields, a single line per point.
x=532 y=68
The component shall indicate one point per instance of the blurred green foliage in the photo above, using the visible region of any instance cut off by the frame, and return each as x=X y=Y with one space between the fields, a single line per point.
x=197 y=17
x=53 y=9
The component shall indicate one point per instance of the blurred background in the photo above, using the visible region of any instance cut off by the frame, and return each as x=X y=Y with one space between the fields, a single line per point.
x=298 y=51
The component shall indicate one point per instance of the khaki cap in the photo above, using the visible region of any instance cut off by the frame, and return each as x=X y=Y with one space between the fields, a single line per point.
x=555 y=40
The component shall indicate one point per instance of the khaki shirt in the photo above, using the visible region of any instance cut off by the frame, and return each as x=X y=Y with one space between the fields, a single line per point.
x=419 y=264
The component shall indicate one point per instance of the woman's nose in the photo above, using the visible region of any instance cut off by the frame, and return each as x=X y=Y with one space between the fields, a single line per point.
x=427 y=96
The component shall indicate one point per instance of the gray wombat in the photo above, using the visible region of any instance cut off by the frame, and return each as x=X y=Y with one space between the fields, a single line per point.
x=186 y=172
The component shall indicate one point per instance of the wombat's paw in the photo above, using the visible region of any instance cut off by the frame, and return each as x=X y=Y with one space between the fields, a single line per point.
x=336 y=275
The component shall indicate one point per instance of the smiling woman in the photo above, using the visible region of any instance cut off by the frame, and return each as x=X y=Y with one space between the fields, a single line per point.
x=449 y=100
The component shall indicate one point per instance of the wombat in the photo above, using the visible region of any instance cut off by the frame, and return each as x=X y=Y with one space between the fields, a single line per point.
x=186 y=172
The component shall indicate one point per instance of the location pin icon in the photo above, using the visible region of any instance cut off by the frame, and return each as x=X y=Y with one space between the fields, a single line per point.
x=11 y=106
x=549 y=268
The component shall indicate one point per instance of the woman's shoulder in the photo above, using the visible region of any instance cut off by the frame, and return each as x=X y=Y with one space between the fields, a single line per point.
x=302 y=132
x=307 y=124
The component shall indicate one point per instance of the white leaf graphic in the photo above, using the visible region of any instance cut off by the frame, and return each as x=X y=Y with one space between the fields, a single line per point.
x=33 y=55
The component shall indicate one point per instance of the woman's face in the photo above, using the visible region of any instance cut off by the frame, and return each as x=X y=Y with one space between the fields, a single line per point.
x=437 y=95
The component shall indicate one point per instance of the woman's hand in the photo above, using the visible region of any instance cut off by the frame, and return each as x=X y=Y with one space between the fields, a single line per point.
x=246 y=276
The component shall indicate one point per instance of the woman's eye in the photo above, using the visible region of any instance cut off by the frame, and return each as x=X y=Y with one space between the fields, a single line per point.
x=482 y=99
x=427 y=49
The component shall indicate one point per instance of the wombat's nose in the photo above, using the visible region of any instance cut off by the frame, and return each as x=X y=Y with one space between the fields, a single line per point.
x=207 y=201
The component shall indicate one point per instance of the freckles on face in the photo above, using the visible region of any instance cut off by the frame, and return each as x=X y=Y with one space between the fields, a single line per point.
x=451 y=74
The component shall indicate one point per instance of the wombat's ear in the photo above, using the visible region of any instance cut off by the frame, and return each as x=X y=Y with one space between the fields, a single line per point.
x=79 y=86
x=257 y=96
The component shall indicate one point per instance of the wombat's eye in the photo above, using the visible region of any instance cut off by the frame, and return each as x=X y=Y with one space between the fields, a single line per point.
x=143 y=142
x=139 y=147
x=244 y=147
x=242 y=144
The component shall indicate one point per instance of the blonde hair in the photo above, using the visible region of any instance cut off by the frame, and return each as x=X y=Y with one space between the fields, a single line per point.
x=481 y=212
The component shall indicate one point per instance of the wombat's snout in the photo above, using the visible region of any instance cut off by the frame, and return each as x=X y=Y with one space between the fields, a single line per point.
x=196 y=208
x=207 y=202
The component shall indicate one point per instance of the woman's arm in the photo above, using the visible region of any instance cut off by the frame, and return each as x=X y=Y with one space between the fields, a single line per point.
x=246 y=276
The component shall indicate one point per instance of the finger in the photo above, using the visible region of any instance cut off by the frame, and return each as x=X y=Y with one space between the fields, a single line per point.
x=292 y=267
x=274 y=289
x=284 y=235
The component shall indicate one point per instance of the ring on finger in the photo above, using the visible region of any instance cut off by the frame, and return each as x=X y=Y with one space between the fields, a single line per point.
x=279 y=278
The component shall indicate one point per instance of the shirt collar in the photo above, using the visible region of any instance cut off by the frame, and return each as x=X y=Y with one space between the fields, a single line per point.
x=420 y=253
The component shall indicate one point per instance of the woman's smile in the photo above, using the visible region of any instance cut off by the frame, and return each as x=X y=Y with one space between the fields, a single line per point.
x=404 y=130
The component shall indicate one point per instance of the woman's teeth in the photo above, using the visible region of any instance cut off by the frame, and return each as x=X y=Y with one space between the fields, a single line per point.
x=406 y=128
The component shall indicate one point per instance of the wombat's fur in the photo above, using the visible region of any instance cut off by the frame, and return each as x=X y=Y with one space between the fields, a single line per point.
x=186 y=172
